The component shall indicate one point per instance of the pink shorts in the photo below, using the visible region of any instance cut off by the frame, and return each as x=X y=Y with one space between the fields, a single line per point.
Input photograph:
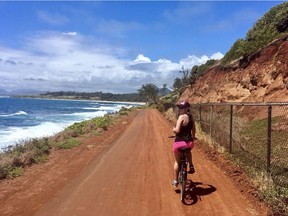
x=181 y=144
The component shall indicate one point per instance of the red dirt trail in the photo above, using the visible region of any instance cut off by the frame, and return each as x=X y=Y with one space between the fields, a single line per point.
x=125 y=171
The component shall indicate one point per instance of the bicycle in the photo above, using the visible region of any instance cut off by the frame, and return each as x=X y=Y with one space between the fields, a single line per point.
x=182 y=166
x=182 y=176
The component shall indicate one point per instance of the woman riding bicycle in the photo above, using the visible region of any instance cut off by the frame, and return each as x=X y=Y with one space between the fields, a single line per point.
x=185 y=134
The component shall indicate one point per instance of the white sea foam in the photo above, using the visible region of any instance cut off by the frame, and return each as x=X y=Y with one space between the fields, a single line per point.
x=21 y=113
x=114 y=108
x=12 y=135
x=14 y=114
x=86 y=115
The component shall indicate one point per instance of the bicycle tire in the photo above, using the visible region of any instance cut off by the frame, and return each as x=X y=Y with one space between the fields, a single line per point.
x=183 y=186
x=182 y=182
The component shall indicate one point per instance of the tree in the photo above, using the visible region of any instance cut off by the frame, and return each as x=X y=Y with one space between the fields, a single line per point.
x=185 y=75
x=193 y=75
x=149 y=92
x=177 y=83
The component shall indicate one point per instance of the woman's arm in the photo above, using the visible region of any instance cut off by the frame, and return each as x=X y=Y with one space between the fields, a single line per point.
x=193 y=129
x=178 y=125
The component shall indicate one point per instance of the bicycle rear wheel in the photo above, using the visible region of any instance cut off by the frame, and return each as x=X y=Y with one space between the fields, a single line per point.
x=183 y=185
x=183 y=179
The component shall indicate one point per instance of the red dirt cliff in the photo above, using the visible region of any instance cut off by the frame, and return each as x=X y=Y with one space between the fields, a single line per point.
x=263 y=77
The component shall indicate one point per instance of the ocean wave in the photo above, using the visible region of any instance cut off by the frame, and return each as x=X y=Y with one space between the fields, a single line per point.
x=114 y=108
x=102 y=108
x=14 y=114
x=12 y=135
x=87 y=115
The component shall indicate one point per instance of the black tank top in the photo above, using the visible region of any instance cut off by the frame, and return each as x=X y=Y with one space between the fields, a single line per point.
x=185 y=133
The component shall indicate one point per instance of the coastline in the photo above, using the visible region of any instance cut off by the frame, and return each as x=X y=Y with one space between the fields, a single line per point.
x=75 y=99
x=51 y=127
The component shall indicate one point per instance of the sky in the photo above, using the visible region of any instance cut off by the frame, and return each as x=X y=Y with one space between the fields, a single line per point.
x=115 y=46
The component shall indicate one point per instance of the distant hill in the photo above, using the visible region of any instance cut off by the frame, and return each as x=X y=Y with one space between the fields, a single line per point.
x=127 y=97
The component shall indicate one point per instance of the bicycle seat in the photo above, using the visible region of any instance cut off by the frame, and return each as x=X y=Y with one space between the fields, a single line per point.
x=184 y=149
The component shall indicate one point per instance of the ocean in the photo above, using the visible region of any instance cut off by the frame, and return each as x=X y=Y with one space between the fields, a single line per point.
x=23 y=119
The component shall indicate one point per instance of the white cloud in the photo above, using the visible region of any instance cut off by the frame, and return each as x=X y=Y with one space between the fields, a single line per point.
x=141 y=59
x=70 y=33
x=193 y=60
x=217 y=56
x=57 y=61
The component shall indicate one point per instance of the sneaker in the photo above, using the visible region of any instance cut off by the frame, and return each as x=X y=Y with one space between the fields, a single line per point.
x=175 y=183
x=192 y=170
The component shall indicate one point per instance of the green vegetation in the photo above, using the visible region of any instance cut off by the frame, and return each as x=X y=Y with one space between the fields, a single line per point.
x=255 y=133
x=128 y=97
x=197 y=71
x=85 y=127
x=14 y=159
x=273 y=25
x=149 y=92
x=168 y=101
x=15 y=172
x=124 y=111
x=67 y=144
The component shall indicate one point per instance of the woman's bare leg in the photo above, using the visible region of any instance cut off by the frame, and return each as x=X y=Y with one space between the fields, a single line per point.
x=176 y=166
x=189 y=157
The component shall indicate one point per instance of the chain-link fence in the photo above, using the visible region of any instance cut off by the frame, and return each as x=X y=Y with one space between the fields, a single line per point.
x=255 y=133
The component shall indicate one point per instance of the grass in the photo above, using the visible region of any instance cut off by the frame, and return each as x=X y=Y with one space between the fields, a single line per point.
x=250 y=152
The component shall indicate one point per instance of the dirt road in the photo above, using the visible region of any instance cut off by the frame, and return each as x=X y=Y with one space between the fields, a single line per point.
x=132 y=176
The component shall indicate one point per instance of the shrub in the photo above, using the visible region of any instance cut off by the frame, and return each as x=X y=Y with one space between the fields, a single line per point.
x=124 y=111
x=41 y=159
x=77 y=128
x=15 y=172
x=102 y=122
x=67 y=144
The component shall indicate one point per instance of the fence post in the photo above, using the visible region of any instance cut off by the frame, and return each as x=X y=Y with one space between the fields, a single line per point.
x=211 y=120
x=231 y=129
x=269 y=139
x=200 y=116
